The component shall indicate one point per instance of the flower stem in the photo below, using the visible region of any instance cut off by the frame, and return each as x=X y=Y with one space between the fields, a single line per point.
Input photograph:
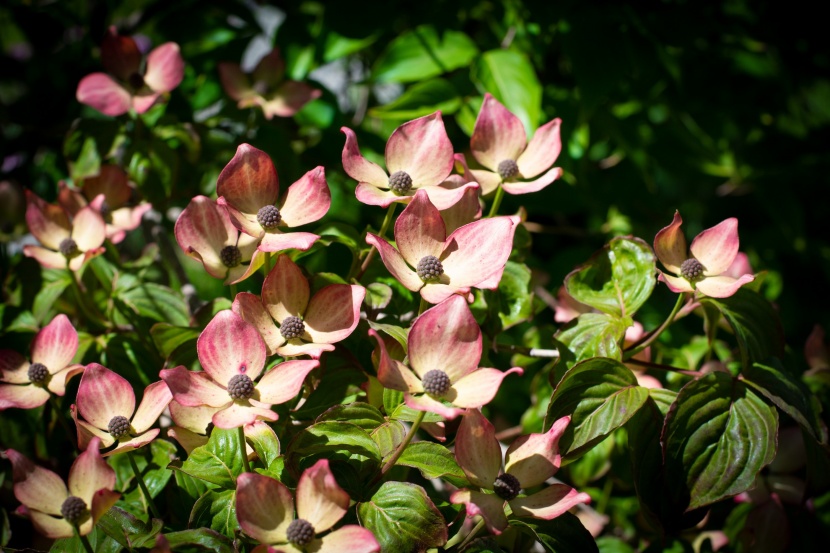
x=266 y=267
x=234 y=289
x=140 y=479
x=476 y=529
x=496 y=202
x=244 y=449
x=83 y=539
x=408 y=438
x=424 y=305
x=90 y=313
x=650 y=338
x=390 y=214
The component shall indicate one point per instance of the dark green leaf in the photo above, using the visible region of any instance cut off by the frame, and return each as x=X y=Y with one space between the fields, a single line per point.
x=343 y=441
x=403 y=518
x=342 y=386
x=389 y=436
x=216 y=510
x=396 y=332
x=47 y=296
x=157 y=302
x=561 y=535
x=152 y=461
x=167 y=337
x=219 y=461
x=592 y=335
x=128 y=530
x=509 y=76
x=378 y=295
x=421 y=53
x=203 y=538
x=100 y=542
x=361 y=414
x=434 y=461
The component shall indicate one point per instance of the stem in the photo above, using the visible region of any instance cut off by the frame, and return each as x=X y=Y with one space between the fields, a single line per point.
x=530 y=352
x=409 y=435
x=424 y=305
x=650 y=338
x=472 y=534
x=266 y=267
x=496 y=201
x=244 y=449
x=663 y=367
x=143 y=486
x=56 y=411
x=234 y=289
x=390 y=214
x=84 y=539
x=606 y=496
x=89 y=312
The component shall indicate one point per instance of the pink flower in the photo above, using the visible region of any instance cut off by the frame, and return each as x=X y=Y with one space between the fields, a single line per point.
x=56 y=509
x=266 y=87
x=248 y=187
x=529 y=461
x=418 y=156
x=26 y=385
x=205 y=232
x=265 y=510
x=306 y=327
x=712 y=254
x=65 y=243
x=113 y=183
x=127 y=86
x=438 y=266
x=106 y=402
x=499 y=143
x=444 y=346
x=232 y=353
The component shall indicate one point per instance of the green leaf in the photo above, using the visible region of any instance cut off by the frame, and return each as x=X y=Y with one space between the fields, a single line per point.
x=157 y=302
x=218 y=461
x=128 y=530
x=265 y=444
x=618 y=279
x=339 y=233
x=152 y=461
x=434 y=461
x=378 y=295
x=420 y=99
x=88 y=162
x=563 y=534
x=396 y=332
x=100 y=542
x=592 y=335
x=167 y=337
x=358 y=413
x=509 y=76
x=335 y=439
x=47 y=296
x=599 y=395
x=342 y=386
x=515 y=297
x=718 y=435
x=389 y=436
x=421 y=53
x=216 y=510
x=403 y=518
x=337 y=45
x=203 y=538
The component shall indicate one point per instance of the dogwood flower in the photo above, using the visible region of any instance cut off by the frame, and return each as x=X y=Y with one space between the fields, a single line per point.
x=712 y=253
x=66 y=243
x=444 y=346
x=127 y=86
x=436 y=265
x=530 y=460
x=265 y=511
x=499 y=143
x=56 y=509
x=233 y=354
x=306 y=327
x=106 y=405
x=248 y=188
x=26 y=385
x=266 y=87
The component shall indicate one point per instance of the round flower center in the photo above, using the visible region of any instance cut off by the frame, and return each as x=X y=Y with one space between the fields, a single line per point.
x=507 y=486
x=429 y=268
x=136 y=81
x=508 y=169
x=38 y=373
x=106 y=212
x=292 y=327
x=119 y=426
x=436 y=383
x=240 y=386
x=68 y=248
x=230 y=256
x=268 y=217
x=692 y=270
x=74 y=510
x=400 y=183
x=300 y=532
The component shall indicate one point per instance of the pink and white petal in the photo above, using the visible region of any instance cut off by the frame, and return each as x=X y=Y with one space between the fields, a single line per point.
x=475 y=251
x=241 y=272
x=90 y=473
x=250 y=308
x=675 y=284
x=371 y=195
x=670 y=245
x=422 y=149
x=86 y=432
x=229 y=346
x=127 y=218
x=236 y=83
x=156 y=398
x=488 y=180
x=477 y=450
x=48 y=223
x=358 y=167
x=35 y=487
x=435 y=292
x=426 y=403
x=646 y=380
x=14 y=368
x=244 y=222
x=717 y=247
x=533 y=458
x=191 y=388
x=187 y=439
x=104 y=394
x=740 y=266
x=264 y=507
x=269 y=70
x=249 y=181
x=498 y=135
x=112 y=182
x=542 y=151
x=420 y=230
x=320 y=500
x=47 y=258
x=445 y=337
x=527 y=187
x=307 y=200
x=548 y=503
x=142 y=102
x=194 y=418
x=239 y=414
x=136 y=442
x=102 y=501
x=289 y=98
x=490 y=507
x=25 y=396
x=165 y=68
x=466 y=210
x=56 y=344
x=478 y=388
x=722 y=286
x=70 y=199
x=334 y=312
x=284 y=382
x=120 y=54
x=77 y=262
x=351 y=538
x=205 y=228
x=52 y=528
x=101 y=92
x=285 y=290
x=277 y=241
x=392 y=373
x=395 y=263
x=315 y=351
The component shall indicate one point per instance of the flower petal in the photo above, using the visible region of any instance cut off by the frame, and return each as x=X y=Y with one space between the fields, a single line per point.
x=35 y=487
x=670 y=245
x=191 y=388
x=358 y=167
x=675 y=284
x=202 y=230
x=307 y=200
x=527 y=187
x=739 y=267
x=722 y=286
x=14 y=368
x=422 y=149
x=103 y=394
x=56 y=344
x=477 y=450
x=548 y=503
x=392 y=373
x=144 y=101
x=284 y=381
x=320 y=500
x=187 y=439
x=156 y=398
x=165 y=68
x=466 y=210
x=533 y=458
x=111 y=181
x=435 y=292
x=371 y=195
x=420 y=230
x=194 y=418
x=444 y=197
x=312 y=350
x=230 y=346
x=351 y=538
x=51 y=527
x=542 y=151
x=249 y=181
x=86 y=432
x=277 y=241
x=490 y=507
x=241 y=413
x=22 y=396
x=488 y=180
x=47 y=258
x=100 y=91
x=476 y=251
x=264 y=507
x=102 y=501
x=478 y=387
x=426 y=403
x=333 y=312
x=120 y=54
x=717 y=247
x=289 y=98
x=48 y=223
x=285 y=290
x=90 y=473
x=135 y=442
x=395 y=263
x=243 y=271
x=250 y=308
x=498 y=135
x=236 y=83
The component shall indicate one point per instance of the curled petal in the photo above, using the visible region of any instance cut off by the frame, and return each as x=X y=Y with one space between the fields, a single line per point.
x=248 y=248
x=371 y=195
x=488 y=506
x=392 y=373
x=477 y=450
x=135 y=442
x=420 y=230
x=156 y=397
x=479 y=387
x=14 y=368
x=307 y=200
x=240 y=413
x=250 y=308
x=395 y=263
x=422 y=149
x=126 y=219
x=35 y=487
x=48 y=223
x=426 y=403
x=120 y=54
x=358 y=167
x=435 y=293
x=488 y=180
x=475 y=251
x=90 y=473
x=498 y=135
x=722 y=286
x=235 y=81
x=675 y=284
x=351 y=538
x=187 y=439
x=102 y=501
x=230 y=346
x=194 y=418
x=86 y=432
x=466 y=210
x=264 y=507
x=285 y=291
x=284 y=381
x=312 y=350
x=670 y=245
x=144 y=101
x=333 y=312
x=56 y=344
x=112 y=181
x=320 y=500
x=103 y=394
x=542 y=151
x=101 y=92
x=165 y=68
x=548 y=503
x=533 y=458
x=527 y=187
x=289 y=98
x=249 y=180
x=717 y=247
x=25 y=396
x=277 y=241
x=202 y=230
x=192 y=388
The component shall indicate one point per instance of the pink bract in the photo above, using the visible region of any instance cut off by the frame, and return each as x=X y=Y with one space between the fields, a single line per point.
x=499 y=144
x=703 y=267
x=314 y=325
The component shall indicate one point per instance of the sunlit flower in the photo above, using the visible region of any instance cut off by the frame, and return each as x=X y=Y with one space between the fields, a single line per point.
x=444 y=346
x=233 y=354
x=66 y=243
x=56 y=509
x=712 y=253
x=266 y=87
x=499 y=143
x=292 y=324
x=468 y=207
x=265 y=511
x=193 y=424
x=127 y=85
x=530 y=460
x=26 y=385
x=249 y=188
x=106 y=404
x=436 y=265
